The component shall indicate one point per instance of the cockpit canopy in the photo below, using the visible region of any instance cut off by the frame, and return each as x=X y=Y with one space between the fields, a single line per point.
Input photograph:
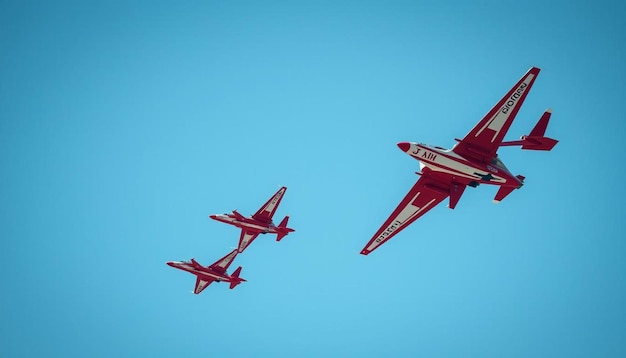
x=497 y=162
x=434 y=147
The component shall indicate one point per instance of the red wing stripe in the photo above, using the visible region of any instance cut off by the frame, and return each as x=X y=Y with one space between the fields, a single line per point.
x=486 y=136
x=246 y=239
x=266 y=212
x=223 y=263
x=416 y=203
x=201 y=285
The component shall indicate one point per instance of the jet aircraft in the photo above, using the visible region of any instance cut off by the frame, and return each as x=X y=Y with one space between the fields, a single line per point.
x=209 y=274
x=259 y=223
x=472 y=161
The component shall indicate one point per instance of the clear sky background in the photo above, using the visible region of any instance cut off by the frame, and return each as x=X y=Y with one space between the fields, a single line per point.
x=124 y=124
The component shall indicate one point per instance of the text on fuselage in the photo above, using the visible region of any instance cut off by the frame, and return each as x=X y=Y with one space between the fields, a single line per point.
x=425 y=154
x=492 y=169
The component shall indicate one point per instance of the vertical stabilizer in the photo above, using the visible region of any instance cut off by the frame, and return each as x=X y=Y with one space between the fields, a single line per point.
x=282 y=229
x=542 y=124
x=235 y=279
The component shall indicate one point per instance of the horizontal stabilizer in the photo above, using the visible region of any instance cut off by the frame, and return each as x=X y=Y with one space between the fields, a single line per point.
x=538 y=143
x=282 y=229
x=536 y=140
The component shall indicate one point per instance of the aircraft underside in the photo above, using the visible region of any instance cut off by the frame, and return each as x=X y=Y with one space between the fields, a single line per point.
x=464 y=171
x=248 y=226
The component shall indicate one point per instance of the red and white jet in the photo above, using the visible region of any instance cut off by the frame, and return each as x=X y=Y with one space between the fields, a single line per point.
x=259 y=223
x=216 y=272
x=472 y=161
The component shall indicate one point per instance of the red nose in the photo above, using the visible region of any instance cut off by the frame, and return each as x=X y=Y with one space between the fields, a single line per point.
x=404 y=146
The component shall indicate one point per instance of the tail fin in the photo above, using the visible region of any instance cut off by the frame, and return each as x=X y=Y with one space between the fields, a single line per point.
x=235 y=279
x=542 y=124
x=284 y=222
x=536 y=139
x=283 y=230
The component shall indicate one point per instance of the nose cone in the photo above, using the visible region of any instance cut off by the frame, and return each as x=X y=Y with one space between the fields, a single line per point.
x=170 y=263
x=213 y=216
x=404 y=146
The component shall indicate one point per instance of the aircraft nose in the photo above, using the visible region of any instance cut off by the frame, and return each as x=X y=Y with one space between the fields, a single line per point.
x=404 y=146
x=213 y=216
x=170 y=263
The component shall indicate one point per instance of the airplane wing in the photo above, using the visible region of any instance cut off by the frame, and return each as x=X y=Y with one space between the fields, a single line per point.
x=423 y=196
x=266 y=212
x=483 y=140
x=246 y=239
x=201 y=284
x=222 y=264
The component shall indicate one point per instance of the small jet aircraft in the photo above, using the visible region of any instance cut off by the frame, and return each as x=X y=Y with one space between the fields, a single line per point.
x=472 y=161
x=216 y=272
x=259 y=223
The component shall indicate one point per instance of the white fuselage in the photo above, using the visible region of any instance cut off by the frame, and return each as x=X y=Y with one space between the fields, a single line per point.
x=248 y=224
x=185 y=266
x=446 y=161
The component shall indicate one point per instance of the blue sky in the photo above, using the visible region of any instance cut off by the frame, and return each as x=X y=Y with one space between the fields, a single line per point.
x=123 y=125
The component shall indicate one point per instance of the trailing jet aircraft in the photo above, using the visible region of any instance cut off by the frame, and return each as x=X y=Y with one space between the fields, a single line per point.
x=259 y=223
x=216 y=272
x=472 y=161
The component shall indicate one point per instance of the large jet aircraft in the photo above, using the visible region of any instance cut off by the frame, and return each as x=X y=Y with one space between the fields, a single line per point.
x=209 y=274
x=472 y=161
x=259 y=223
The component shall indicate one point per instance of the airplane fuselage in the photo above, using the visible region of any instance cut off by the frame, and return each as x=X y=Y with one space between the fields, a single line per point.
x=245 y=223
x=204 y=273
x=463 y=170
